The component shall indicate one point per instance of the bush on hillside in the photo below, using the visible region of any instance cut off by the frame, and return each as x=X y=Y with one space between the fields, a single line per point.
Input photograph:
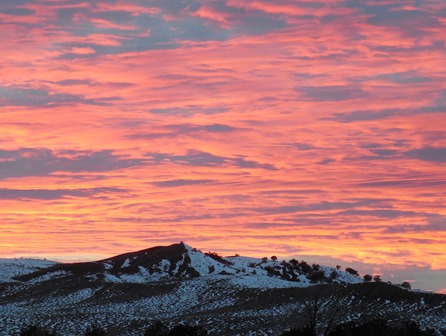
x=352 y=271
x=34 y=330
x=368 y=278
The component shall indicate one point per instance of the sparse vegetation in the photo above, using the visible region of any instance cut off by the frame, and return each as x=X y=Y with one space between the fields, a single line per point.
x=294 y=262
x=406 y=285
x=304 y=267
x=352 y=271
x=368 y=278
x=317 y=276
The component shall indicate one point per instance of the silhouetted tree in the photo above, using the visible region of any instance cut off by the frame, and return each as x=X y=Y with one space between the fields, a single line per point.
x=274 y=258
x=294 y=262
x=368 y=278
x=317 y=276
x=304 y=267
x=377 y=278
x=406 y=285
x=352 y=271
x=319 y=314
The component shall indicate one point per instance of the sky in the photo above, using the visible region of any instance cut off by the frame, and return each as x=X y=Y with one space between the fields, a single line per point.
x=302 y=128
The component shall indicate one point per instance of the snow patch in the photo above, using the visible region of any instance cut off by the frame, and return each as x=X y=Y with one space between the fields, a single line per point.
x=10 y=268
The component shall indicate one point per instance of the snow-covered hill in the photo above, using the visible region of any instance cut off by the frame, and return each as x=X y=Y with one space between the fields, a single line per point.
x=183 y=261
x=177 y=283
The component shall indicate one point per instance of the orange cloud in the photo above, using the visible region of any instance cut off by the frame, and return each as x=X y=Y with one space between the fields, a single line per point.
x=243 y=128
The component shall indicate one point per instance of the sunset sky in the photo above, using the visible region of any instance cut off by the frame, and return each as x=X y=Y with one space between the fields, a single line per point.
x=295 y=128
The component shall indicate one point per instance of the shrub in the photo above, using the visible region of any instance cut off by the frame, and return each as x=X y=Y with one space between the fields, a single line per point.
x=215 y=256
x=352 y=271
x=304 y=267
x=368 y=278
x=377 y=278
x=294 y=262
x=272 y=271
x=317 y=276
x=34 y=330
x=406 y=285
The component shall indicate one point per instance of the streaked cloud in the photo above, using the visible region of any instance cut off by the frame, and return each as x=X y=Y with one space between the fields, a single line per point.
x=297 y=127
x=431 y=154
x=49 y=194
x=41 y=162
x=331 y=93
x=180 y=183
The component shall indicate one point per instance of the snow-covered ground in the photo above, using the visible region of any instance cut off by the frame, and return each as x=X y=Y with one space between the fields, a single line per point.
x=219 y=293
x=10 y=268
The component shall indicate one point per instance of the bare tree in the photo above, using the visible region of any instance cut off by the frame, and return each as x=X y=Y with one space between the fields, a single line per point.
x=320 y=313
